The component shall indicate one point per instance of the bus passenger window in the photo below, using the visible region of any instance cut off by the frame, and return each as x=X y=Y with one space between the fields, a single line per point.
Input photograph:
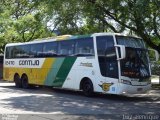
x=50 y=49
x=66 y=48
x=25 y=51
x=36 y=50
x=84 y=47
x=19 y=52
x=15 y=52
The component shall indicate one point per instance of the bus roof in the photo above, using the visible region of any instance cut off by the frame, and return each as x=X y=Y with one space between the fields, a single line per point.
x=65 y=37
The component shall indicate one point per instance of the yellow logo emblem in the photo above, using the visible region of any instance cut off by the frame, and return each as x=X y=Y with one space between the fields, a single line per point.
x=106 y=86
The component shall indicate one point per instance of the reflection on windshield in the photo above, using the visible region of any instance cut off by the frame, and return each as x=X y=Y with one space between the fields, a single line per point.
x=135 y=64
x=130 y=42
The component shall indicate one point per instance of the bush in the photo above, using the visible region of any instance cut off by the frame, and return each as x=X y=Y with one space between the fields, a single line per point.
x=155 y=67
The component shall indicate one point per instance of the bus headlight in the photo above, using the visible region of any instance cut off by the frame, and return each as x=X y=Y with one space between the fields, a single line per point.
x=126 y=82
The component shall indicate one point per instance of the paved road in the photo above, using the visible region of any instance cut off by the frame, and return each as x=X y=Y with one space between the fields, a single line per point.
x=49 y=104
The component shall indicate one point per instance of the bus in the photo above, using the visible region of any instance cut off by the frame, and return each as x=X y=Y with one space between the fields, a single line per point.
x=108 y=63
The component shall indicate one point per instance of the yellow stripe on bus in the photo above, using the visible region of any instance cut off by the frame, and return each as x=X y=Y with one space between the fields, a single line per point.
x=35 y=75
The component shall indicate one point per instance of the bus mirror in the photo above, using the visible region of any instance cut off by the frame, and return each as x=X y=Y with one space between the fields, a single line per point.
x=153 y=55
x=121 y=52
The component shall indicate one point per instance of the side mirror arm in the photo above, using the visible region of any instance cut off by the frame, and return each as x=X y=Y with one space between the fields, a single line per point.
x=156 y=54
x=122 y=52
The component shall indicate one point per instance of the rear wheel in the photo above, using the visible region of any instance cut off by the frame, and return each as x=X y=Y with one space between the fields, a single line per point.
x=24 y=79
x=17 y=80
x=87 y=88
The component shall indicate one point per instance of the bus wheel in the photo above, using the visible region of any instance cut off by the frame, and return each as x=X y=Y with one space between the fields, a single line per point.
x=17 y=81
x=87 y=88
x=24 y=79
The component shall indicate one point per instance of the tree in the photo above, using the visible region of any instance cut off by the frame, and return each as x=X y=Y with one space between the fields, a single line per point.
x=25 y=20
x=21 y=21
x=140 y=17
x=156 y=68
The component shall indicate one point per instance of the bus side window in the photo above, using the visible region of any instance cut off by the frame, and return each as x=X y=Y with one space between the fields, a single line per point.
x=36 y=50
x=84 y=47
x=19 y=51
x=25 y=51
x=66 y=48
x=50 y=49
x=15 y=52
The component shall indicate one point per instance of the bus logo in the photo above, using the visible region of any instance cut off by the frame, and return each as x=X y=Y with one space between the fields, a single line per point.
x=106 y=86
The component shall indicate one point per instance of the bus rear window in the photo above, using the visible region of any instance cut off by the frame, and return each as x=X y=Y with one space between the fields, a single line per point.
x=7 y=55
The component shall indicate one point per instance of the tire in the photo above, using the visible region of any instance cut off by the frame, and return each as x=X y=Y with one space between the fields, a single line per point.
x=87 y=88
x=18 y=82
x=25 y=84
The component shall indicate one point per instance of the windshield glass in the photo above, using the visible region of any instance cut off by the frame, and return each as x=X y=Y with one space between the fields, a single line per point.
x=136 y=63
x=130 y=42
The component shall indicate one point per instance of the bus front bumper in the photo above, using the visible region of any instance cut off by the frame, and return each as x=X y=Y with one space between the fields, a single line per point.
x=125 y=89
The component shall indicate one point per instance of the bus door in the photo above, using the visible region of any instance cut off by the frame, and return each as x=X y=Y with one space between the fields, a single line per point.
x=107 y=60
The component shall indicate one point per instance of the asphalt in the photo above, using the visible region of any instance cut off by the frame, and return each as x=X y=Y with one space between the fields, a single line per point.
x=153 y=94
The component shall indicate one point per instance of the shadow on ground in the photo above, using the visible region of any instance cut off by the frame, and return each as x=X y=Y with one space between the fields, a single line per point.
x=47 y=100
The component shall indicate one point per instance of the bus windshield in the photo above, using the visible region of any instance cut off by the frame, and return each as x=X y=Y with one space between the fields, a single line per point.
x=136 y=63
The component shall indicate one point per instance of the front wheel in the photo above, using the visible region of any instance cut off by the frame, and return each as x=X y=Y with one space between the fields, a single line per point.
x=87 y=88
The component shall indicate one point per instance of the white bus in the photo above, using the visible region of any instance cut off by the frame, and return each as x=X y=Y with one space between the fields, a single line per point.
x=101 y=62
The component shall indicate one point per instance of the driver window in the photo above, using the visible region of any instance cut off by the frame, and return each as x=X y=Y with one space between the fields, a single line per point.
x=107 y=56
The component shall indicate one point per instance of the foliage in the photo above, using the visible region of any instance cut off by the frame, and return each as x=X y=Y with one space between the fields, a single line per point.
x=25 y=20
x=139 y=17
x=21 y=21
x=156 y=68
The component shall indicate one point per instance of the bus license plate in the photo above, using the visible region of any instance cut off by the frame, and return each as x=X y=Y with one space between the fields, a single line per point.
x=139 y=89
